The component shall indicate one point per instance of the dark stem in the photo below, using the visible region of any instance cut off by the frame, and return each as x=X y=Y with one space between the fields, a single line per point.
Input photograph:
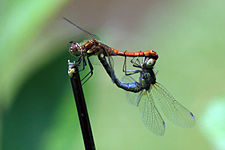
x=81 y=108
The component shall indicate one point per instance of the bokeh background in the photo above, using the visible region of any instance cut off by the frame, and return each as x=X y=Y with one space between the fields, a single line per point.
x=37 y=109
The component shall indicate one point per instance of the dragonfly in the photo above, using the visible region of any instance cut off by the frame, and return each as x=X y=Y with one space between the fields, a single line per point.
x=94 y=47
x=148 y=93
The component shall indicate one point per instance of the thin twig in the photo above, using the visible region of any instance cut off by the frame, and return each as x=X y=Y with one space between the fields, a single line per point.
x=81 y=107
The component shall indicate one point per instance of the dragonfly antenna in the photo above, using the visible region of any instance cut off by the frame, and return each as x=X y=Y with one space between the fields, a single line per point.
x=91 y=34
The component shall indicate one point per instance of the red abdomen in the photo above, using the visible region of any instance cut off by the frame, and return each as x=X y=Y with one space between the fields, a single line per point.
x=148 y=53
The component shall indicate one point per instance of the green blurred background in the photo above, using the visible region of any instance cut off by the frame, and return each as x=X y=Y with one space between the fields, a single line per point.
x=37 y=109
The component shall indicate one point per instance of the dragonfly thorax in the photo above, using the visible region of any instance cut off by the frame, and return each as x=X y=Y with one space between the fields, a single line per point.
x=89 y=47
x=145 y=80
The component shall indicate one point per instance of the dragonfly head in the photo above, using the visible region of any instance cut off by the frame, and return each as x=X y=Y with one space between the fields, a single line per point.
x=148 y=63
x=75 y=49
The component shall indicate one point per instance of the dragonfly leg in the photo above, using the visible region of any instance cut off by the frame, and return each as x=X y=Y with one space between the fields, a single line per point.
x=128 y=72
x=84 y=64
x=90 y=73
x=79 y=61
x=136 y=62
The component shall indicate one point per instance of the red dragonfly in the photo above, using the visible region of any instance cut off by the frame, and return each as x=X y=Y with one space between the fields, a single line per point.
x=93 y=47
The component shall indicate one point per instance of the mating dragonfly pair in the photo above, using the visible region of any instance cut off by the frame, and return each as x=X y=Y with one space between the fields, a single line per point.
x=147 y=90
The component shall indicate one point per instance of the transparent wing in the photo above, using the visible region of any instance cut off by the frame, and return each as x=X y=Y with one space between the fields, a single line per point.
x=109 y=57
x=171 y=108
x=133 y=98
x=94 y=60
x=150 y=114
x=110 y=62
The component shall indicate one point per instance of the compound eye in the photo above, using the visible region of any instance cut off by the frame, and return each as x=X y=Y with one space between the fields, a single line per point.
x=75 y=49
x=77 y=46
x=150 y=62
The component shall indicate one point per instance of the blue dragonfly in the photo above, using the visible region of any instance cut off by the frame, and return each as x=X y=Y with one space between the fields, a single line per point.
x=147 y=94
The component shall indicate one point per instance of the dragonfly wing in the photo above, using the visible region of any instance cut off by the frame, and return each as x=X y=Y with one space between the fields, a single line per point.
x=110 y=62
x=150 y=114
x=95 y=61
x=133 y=98
x=171 y=108
x=109 y=57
